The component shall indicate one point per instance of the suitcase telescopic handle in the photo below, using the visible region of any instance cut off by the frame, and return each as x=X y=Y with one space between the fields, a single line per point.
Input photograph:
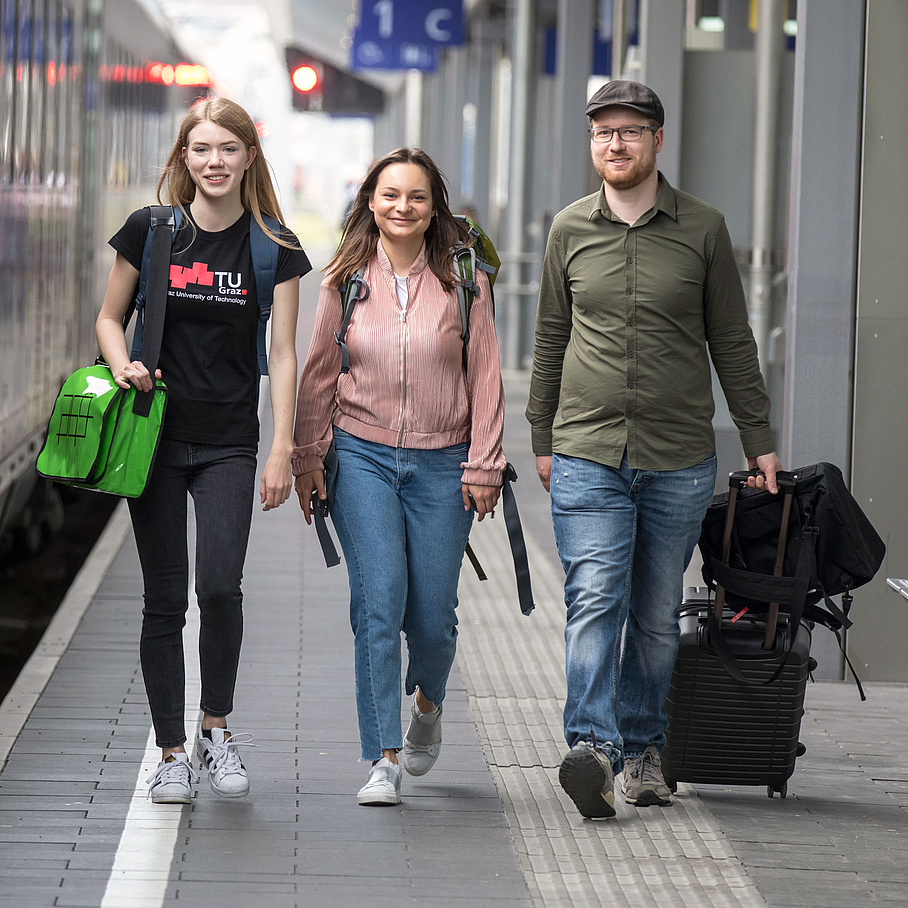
x=737 y=481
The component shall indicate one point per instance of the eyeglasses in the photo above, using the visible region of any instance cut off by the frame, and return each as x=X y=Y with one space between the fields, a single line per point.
x=603 y=134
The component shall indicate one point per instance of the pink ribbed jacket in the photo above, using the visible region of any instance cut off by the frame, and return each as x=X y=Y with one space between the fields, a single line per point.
x=406 y=386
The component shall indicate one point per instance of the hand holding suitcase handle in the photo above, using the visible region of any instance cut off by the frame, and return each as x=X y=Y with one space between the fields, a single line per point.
x=736 y=481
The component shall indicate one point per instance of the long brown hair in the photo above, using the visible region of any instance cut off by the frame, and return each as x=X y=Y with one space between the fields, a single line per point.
x=360 y=238
x=256 y=190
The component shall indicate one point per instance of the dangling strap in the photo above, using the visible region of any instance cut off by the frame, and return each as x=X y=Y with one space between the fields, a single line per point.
x=518 y=543
x=320 y=509
x=353 y=290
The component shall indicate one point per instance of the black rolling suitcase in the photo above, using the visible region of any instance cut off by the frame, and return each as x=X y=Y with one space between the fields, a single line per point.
x=737 y=691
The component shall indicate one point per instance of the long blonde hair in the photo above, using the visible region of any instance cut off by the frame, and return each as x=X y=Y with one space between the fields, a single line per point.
x=360 y=239
x=256 y=190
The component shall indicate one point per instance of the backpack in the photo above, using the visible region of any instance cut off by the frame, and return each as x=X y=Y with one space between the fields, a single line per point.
x=264 y=268
x=480 y=254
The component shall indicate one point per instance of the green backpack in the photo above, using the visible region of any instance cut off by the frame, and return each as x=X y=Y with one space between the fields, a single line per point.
x=480 y=254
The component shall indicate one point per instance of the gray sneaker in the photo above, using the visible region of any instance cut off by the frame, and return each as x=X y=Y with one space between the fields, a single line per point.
x=642 y=780
x=586 y=775
x=383 y=787
x=422 y=743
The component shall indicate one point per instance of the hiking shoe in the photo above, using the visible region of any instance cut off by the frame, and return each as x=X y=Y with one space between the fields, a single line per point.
x=586 y=775
x=172 y=781
x=422 y=743
x=383 y=787
x=642 y=780
x=226 y=773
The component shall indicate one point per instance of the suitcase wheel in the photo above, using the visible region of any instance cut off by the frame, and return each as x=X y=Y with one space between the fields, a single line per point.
x=672 y=786
x=781 y=789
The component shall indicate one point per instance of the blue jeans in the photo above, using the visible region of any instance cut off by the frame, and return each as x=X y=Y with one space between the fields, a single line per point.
x=401 y=522
x=625 y=538
x=221 y=481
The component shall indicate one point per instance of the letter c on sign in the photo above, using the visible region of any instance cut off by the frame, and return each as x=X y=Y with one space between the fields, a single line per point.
x=435 y=25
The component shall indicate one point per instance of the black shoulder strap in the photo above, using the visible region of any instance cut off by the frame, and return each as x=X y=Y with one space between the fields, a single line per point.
x=162 y=227
x=265 y=254
x=465 y=263
x=352 y=291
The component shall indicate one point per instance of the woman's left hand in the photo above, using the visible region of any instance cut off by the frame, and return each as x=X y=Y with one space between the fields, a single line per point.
x=277 y=481
x=483 y=498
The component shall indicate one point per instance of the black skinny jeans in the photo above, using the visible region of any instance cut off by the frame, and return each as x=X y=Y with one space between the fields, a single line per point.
x=221 y=481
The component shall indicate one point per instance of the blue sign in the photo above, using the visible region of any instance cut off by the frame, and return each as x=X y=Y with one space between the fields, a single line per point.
x=405 y=34
x=366 y=54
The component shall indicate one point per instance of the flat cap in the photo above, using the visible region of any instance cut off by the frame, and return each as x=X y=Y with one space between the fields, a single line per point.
x=622 y=93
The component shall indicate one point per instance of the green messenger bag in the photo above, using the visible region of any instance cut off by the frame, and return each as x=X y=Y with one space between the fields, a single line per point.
x=97 y=440
x=103 y=437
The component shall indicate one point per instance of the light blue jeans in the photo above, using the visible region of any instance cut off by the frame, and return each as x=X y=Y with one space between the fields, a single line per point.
x=401 y=523
x=625 y=538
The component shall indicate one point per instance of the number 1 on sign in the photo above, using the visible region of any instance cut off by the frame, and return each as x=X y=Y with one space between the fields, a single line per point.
x=384 y=11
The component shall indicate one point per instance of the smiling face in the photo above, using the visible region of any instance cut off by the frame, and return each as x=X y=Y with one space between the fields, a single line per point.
x=402 y=203
x=624 y=165
x=216 y=160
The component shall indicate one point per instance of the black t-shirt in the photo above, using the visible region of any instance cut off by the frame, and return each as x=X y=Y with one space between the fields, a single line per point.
x=208 y=352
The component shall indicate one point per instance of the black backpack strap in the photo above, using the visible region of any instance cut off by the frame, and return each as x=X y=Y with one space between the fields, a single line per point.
x=518 y=543
x=352 y=291
x=480 y=573
x=321 y=509
x=162 y=227
x=465 y=263
x=265 y=253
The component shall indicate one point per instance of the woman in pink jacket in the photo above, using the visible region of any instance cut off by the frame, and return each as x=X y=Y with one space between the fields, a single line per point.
x=417 y=428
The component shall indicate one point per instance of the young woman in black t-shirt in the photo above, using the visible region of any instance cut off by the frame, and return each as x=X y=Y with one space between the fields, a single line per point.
x=217 y=176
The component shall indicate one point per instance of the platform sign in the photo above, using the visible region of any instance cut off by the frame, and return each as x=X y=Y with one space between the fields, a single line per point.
x=405 y=34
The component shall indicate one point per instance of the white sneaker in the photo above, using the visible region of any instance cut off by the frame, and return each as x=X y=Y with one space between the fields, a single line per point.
x=226 y=773
x=172 y=781
x=422 y=742
x=383 y=786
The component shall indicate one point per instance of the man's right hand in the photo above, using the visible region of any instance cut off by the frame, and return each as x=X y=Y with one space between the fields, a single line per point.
x=544 y=470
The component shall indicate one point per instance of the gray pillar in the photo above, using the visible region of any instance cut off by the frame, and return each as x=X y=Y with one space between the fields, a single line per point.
x=523 y=75
x=454 y=77
x=484 y=39
x=435 y=111
x=879 y=640
x=661 y=36
x=769 y=51
x=573 y=65
x=822 y=264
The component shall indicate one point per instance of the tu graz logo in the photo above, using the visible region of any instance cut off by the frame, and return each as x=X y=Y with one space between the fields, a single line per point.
x=199 y=276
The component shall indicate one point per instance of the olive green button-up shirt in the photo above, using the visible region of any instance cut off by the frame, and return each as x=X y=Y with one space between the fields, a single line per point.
x=626 y=316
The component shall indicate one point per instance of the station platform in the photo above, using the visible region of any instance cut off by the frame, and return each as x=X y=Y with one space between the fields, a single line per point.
x=489 y=826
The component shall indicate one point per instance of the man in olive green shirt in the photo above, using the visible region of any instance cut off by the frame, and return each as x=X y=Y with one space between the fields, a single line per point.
x=639 y=291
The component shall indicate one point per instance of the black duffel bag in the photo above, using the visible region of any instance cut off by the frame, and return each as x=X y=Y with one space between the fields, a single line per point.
x=832 y=548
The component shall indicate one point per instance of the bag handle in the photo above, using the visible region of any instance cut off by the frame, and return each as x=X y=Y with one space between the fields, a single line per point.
x=162 y=226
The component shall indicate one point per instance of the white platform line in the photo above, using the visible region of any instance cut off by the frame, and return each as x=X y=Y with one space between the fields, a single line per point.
x=141 y=868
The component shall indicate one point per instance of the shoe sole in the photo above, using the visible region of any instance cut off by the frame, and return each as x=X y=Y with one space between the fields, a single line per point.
x=583 y=777
x=227 y=794
x=648 y=798
x=171 y=800
x=377 y=800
